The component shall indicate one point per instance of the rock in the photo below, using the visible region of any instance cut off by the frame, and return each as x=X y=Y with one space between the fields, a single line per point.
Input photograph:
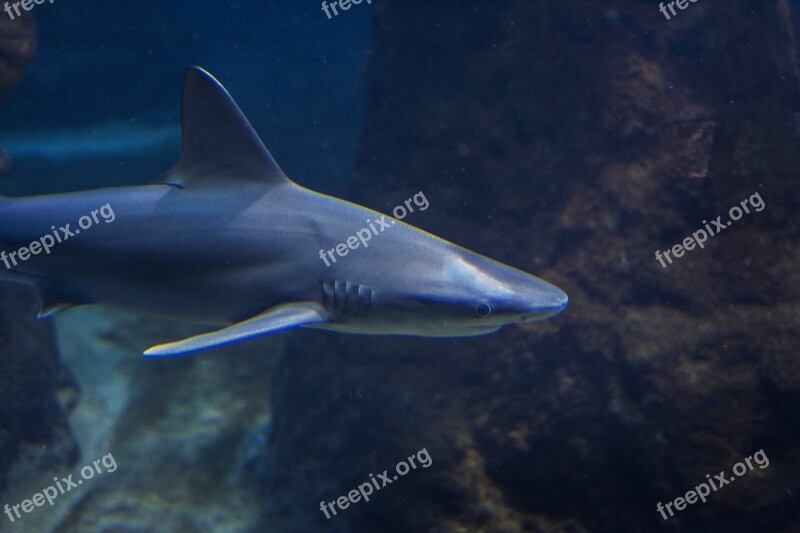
x=34 y=431
x=572 y=140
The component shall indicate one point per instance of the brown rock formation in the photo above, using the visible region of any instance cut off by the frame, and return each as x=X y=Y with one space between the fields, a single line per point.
x=574 y=139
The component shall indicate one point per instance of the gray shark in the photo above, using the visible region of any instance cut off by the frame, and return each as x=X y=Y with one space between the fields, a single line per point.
x=224 y=238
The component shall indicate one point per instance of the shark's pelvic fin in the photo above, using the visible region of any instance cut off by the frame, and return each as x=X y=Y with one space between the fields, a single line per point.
x=270 y=321
x=218 y=141
x=50 y=301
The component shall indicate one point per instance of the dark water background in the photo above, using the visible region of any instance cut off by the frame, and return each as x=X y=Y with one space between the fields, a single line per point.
x=298 y=76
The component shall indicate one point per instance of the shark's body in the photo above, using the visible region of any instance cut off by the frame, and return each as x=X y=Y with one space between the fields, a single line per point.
x=227 y=239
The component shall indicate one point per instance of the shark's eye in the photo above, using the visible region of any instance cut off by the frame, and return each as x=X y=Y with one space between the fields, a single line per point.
x=483 y=310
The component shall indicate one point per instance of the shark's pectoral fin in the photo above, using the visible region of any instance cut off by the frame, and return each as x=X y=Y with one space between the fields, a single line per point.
x=270 y=321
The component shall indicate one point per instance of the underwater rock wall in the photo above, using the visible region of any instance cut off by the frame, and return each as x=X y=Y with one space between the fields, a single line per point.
x=655 y=375
x=184 y=432
x=34 y=431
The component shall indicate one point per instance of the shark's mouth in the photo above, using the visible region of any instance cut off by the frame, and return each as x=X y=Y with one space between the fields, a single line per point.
x=478 y=330
x=545 y=312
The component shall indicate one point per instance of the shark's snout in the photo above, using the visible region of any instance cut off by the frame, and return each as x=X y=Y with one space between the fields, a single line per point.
x=516 y=296
x=550 y=304
x=538 y=300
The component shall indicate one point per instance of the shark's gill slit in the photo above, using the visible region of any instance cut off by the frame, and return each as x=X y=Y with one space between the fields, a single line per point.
x=364 y=299
x=347 y=298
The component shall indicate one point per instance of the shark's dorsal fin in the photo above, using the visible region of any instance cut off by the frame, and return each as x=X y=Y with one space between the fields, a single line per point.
x=218 y=141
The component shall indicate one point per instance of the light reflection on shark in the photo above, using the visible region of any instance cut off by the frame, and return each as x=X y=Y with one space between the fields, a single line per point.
x=225 y=238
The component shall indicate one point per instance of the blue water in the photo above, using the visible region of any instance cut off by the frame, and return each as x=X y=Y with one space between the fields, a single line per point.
x=99 y=106
x=105 y=82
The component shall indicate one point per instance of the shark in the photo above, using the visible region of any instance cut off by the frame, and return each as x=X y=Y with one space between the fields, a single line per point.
x=224 y=238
